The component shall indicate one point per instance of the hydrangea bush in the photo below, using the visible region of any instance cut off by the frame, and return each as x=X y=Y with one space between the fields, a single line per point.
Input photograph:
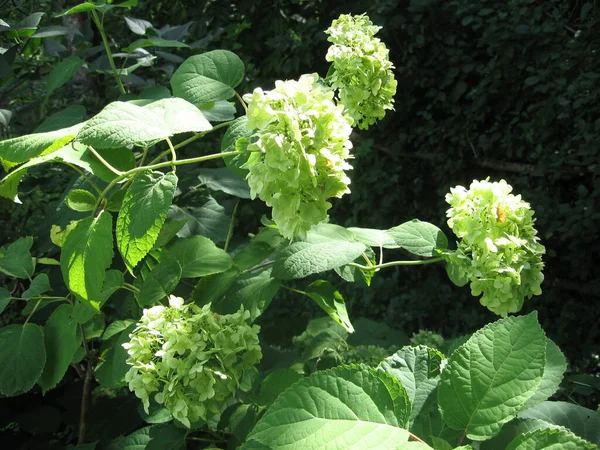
x=198 y=358
x=190 y=359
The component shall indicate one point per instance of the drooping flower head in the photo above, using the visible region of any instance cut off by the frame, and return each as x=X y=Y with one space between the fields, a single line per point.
x=498 y=250
x=191 y=360
x=361 y=69
x=302 y=139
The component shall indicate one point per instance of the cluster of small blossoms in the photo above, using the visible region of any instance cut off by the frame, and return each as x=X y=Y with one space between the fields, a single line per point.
x=361 y=69
x=498 y=251
x=190 y=359
x=302 y=139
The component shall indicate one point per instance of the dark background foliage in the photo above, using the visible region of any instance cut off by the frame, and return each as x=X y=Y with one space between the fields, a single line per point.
x=502 y=88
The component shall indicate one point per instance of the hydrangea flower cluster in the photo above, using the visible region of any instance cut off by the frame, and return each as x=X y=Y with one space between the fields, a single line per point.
x=302 y=139
x=191 y=359
x=361 y=69
x=498 y=251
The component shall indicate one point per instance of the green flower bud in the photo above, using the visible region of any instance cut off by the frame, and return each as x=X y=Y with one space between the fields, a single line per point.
x=498 y=250
x=302 y=142
x=361 y=69
x=191 y=360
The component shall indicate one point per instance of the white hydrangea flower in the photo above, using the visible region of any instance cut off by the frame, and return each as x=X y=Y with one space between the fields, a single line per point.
x=191 y=359
x=302 y=143
x=498 y=251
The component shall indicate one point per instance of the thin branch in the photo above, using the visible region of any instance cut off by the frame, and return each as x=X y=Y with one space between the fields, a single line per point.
x=105 y=162
x=418 y=262
x=231 y=224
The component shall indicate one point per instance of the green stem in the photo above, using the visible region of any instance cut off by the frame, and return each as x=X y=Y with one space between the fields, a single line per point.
x=418 y=262
x=230 y=232
x=173 y=154
x=242 y=102
x=111 y=61
x=143 y=159
x=297 y=291
x=85 y=177
x=181 y=162
x=105 y=162
x=131 y=287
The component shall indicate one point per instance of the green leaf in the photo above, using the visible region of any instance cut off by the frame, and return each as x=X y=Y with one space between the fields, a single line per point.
x=143 y=213
x=39 y=285
x=154 y=41
x=159 y=282
x=302 y=259
x=81 y=8
x=86 y=254
x=199 y=256
x=331 y=301
x=221 y=111
x=208 y=77
x=253 y=290
x=419 y=238
x=208 y=220
x=511 y=430
x=61 y=344
x=121 y=159
x=549 y=439
x=72 y=153
x=22 y=357
x=21 y=149
x=418 y=369
x=116 y=327
x=346 y=407
x=212 y=288
x=373 y=238
x=242 y=419
x=68 y=117
x=4 y=299
x=156 y=437
x=583 y=422
x=138 y=26
x=556 y=364
x=62 y=73
x=251 y=255
x=237 y=130
x=275 y=383
x=112 y=368
x=224 y=180
x=179 y=116
x=328 y=232
x=121 y=124
x=16 y=260
x=81 y=200
x=490 y=377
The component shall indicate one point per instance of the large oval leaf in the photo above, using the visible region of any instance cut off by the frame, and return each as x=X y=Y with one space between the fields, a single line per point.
x=198 y=256
x=489 y=378
x=346 y=407
x=179 y=116
x=418 y=369
x=302 y=259
x=143 y=213
x=121 y=124
x=550 y=438
x=419 y=238
x=208 y=77
x=61 y=344
x=556 y=364
x=86 y=254
x=22 y=357
x=583 y=422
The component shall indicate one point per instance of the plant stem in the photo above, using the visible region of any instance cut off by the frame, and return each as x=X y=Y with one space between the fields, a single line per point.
x=242 y=102
x=131 y=287
x=173 y=154
x=461 y=438
x=297 y=291
x=144 y=155
x=87 y=387
x=230 y=232
x=105 y=162
x=85 y=177
x=181 y=162
x=111 y=61
x=418 y=262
